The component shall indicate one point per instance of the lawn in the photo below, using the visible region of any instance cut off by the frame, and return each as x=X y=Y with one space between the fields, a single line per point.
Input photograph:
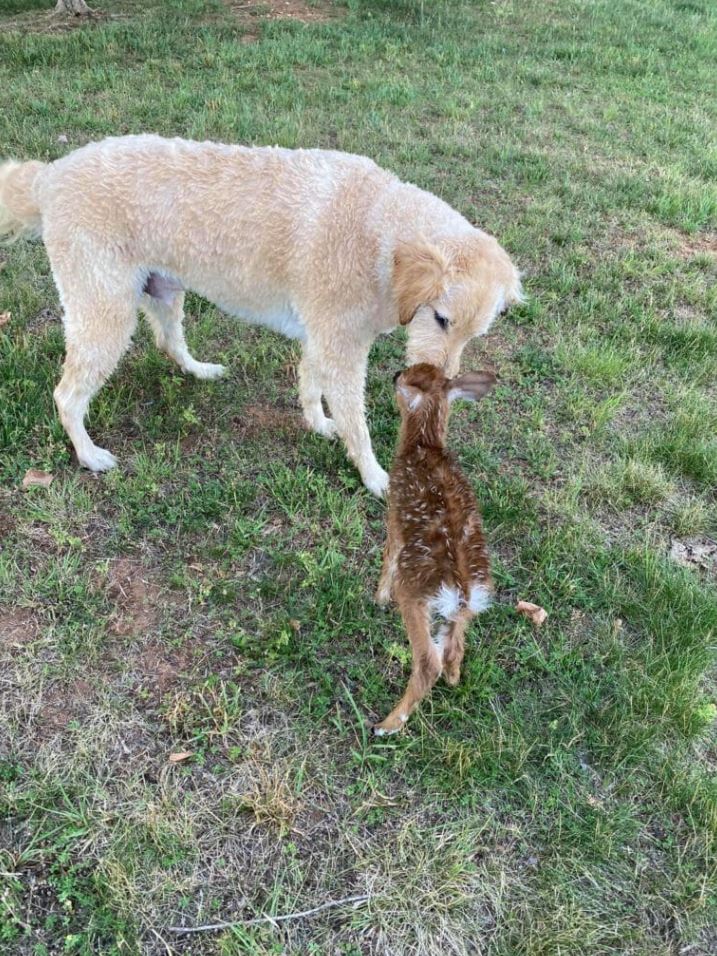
x=211 y=598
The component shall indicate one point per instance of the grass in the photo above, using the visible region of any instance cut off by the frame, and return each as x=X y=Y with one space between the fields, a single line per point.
x=212 y=597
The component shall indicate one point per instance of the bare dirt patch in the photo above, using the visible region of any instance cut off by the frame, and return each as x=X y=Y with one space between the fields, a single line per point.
x=698 y=244
x=696 y=553
x=283 y=10
x=47 y=316
x=7 y=522
x=18 y=626
x=40 y=21
x=134 y=591
x=252 y=12
x=61 y=704
x=258 y=420
x=159 y=668
x=140 y=605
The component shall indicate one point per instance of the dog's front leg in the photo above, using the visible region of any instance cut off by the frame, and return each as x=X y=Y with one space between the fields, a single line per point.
x=343 y=385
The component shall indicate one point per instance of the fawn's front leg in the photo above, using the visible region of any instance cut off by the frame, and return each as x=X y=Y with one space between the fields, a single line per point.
x=391 y=551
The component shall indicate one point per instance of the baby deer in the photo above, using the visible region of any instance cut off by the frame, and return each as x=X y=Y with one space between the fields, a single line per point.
x=435 y=563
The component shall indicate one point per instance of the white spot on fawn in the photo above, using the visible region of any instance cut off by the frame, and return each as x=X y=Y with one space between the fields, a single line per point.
x=446 y=602
x=479 y=599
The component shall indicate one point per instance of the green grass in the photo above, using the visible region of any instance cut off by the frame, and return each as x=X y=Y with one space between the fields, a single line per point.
x=213 y=595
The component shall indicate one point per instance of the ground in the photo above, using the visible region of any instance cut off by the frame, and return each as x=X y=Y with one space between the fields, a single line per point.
x=190 y=652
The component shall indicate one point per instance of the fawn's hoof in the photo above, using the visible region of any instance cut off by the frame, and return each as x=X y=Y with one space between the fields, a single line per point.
x=391 y=725
x=451 y=676
x=382 y=598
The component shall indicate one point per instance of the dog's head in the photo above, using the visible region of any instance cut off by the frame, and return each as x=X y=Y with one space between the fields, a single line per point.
x=424 y=394
x=450 y=292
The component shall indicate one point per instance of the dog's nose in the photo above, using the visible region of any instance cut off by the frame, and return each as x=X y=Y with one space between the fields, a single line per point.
x=395 y=377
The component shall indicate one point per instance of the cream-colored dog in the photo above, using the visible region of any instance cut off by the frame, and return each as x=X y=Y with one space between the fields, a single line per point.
x=325 y=247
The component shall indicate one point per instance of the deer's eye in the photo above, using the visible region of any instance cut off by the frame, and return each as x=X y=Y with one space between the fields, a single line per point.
x=442 y=320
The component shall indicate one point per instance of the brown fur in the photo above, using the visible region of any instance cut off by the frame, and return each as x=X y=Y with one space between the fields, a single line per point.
x=435 y=559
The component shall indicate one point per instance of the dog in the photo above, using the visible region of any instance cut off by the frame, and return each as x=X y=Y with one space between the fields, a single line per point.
x=325 y=247
x=435 y=562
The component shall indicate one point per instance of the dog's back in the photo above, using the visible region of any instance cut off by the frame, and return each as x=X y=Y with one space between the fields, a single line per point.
x=173 y=201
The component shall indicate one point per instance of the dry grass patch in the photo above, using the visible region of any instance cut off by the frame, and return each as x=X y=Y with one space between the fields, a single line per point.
x=303 y=11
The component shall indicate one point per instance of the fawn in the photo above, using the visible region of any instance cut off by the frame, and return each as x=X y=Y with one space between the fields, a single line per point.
x=435 y=563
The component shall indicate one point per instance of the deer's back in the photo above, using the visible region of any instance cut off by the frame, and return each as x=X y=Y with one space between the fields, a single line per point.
x=436 y=512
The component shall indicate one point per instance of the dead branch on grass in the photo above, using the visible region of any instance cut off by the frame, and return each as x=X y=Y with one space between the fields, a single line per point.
x=211 y=927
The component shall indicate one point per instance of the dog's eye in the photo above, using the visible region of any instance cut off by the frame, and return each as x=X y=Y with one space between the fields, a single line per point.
x=442 y=320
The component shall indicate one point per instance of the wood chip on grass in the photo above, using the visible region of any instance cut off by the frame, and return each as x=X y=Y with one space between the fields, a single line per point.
x=33 y=477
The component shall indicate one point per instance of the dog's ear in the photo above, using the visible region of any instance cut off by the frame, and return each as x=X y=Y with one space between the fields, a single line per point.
x=419 y=274
x=471 y=386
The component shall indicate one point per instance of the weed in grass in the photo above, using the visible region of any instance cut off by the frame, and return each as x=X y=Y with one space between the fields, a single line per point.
x=630 y=482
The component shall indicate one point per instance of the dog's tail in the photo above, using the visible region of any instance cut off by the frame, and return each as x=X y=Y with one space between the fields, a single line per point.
x=20 y=214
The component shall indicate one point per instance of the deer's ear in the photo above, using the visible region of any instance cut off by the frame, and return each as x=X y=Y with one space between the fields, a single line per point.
x=471 y=386
x=419 y=276
x=411 y=396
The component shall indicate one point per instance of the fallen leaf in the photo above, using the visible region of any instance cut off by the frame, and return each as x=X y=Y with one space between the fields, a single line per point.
x=536 y=613
x=63 y=138
x=34 y=477
x=179 y=757
x=5 y=317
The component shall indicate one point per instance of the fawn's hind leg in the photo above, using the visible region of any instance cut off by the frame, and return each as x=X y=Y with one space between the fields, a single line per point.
x=426 y=667
x=454 y=648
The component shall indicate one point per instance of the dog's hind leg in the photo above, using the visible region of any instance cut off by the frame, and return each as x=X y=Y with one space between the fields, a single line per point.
x=165 y=314
x=93 y=349
x=100 y=299
x=310 y=396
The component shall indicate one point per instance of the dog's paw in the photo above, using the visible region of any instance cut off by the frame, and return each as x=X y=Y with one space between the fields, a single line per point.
x=377 y=482
x=98 y=460
x=326 y=428
x=206 y=370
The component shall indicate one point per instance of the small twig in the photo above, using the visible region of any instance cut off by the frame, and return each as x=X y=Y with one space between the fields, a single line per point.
x=210 y=927
x=162 y=940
